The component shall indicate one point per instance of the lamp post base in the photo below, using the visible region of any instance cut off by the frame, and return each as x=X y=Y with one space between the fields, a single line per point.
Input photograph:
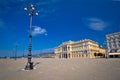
x=29 y=66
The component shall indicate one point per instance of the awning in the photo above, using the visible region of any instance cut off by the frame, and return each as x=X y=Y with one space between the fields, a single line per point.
x=117 y=53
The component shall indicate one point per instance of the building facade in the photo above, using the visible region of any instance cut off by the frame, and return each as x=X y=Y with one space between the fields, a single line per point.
x=113 y=44
x=79 y=49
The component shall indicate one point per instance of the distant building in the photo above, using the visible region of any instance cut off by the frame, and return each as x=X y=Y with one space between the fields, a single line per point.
x=79 y=49
x=113 y=44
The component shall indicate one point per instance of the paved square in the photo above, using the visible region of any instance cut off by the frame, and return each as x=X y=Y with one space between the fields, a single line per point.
x=61 y=69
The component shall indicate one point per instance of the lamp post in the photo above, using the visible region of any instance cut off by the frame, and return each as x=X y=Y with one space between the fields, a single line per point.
x=16 y=51
x=23 y=51
x=29 y=65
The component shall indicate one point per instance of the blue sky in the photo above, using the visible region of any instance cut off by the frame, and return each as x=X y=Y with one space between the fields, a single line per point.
x=58 y=21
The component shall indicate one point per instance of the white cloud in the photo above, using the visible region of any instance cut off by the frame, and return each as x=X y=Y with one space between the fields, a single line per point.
x=46 y=50
x=38 y=30
x=96 y=24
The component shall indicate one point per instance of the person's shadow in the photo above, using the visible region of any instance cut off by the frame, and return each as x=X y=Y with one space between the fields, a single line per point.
x=36 y=64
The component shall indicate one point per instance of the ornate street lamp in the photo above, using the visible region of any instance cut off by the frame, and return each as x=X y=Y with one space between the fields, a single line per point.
x=31 y=9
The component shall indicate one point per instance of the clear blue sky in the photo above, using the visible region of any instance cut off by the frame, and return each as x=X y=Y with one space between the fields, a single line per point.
x=58 y=21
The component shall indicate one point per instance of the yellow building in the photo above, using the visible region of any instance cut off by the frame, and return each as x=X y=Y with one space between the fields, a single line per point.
x=79 y=49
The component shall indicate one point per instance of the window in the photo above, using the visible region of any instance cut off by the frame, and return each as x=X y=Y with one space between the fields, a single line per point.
x=114 y=45
x=119 y=45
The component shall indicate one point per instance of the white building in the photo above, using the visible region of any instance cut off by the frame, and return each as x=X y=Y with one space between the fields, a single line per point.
x=113 y=44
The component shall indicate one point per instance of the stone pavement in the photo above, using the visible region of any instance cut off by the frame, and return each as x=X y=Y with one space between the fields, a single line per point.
x=61 y=69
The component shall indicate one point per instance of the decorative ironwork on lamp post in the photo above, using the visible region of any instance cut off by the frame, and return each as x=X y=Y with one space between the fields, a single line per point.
x=29 y=65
